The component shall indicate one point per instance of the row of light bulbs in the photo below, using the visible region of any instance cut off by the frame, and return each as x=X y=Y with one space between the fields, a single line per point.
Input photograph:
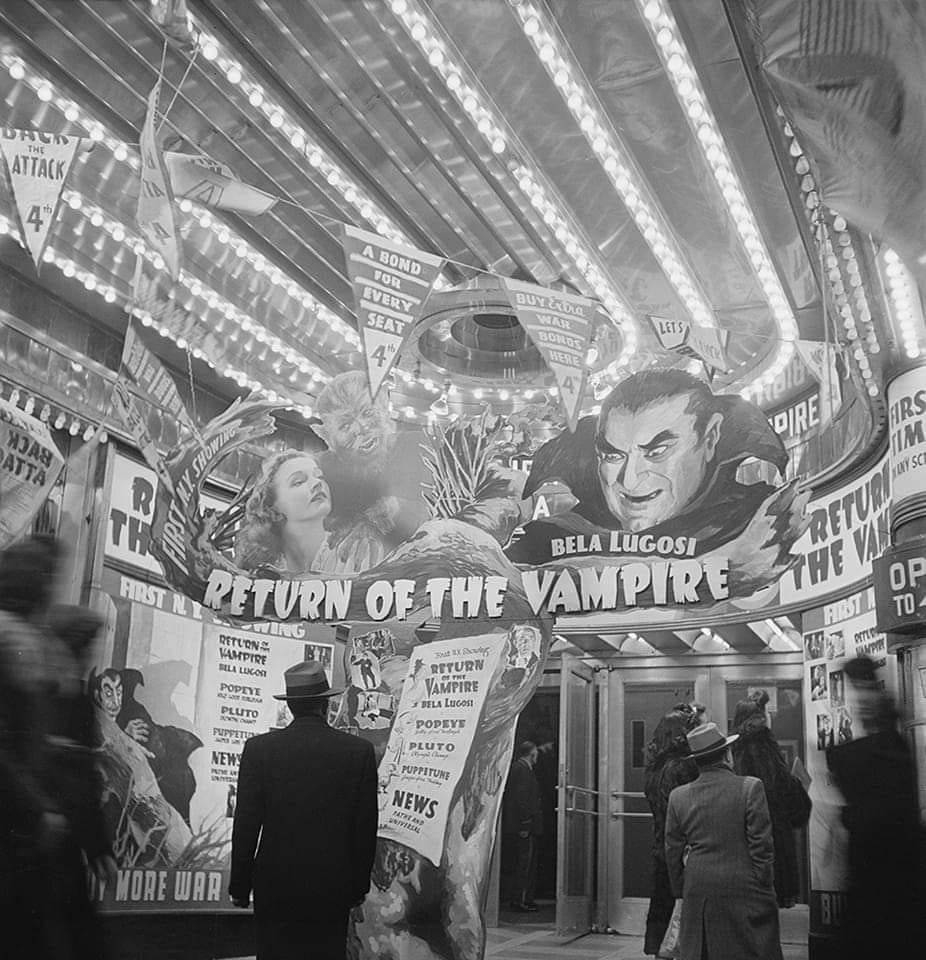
x=208 y=297
x=56 y=418
x=841 y=265
x=46 y=92
x=614 y=157
x=680 y=69
x=279 y=118
x=301 y=141
x=206 y=219
x=905 y=303
x=92 y=283
x=458 y=80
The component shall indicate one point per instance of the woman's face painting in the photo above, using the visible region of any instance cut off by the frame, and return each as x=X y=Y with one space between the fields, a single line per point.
x=300 y=493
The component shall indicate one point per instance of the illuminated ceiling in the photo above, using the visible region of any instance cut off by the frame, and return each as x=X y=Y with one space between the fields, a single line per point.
x=626 y=149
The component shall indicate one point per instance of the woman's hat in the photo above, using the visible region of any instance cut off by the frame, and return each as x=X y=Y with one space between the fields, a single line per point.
x=306 y=681
x=707 y=739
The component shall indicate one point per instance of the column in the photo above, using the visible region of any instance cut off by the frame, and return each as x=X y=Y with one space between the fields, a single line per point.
x=906 y=397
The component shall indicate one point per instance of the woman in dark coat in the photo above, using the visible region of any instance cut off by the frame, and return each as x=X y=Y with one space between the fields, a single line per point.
x=719 y=857
x=757 y=754
x=668 y=765
x=876 y=775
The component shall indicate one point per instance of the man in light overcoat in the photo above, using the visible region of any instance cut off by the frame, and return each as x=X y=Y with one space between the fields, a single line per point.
x=720 y=858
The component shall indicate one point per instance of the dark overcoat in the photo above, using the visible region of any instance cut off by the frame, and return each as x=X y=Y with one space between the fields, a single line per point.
x=885 y=915
x=309 y=794
x=522 y=809
x=722 y=822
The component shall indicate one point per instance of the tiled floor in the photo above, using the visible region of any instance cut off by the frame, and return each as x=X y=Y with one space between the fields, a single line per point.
x=514 y=943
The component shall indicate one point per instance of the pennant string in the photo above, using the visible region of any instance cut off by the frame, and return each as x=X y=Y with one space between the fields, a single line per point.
x=163 y=65
x=189 y=367
x=186 y=74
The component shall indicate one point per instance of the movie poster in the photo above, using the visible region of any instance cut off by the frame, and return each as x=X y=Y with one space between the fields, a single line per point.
x=435 y=723
x=833 y=634
x=170 y=834
x=241 y=672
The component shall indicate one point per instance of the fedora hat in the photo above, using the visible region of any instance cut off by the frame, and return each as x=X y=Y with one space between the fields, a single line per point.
x=306 y=681
x=707 y=739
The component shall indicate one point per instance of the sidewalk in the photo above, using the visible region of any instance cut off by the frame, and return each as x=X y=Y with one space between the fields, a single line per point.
x=519 y=943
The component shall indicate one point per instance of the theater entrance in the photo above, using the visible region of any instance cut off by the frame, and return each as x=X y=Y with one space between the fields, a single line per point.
x=608 y=711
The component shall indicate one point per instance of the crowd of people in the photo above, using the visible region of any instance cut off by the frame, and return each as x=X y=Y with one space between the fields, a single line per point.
x=49 y=788
x=725 y=809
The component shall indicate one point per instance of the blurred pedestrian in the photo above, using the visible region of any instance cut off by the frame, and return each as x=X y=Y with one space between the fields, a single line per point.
x=33 y=826
x=757 y=754
x=308 y=793
x=876 y=775
x=523 y=818
x=719 y=857
x=77 y=783
x=668 y=765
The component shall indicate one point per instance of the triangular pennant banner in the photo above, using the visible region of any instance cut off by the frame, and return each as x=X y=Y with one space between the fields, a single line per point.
x=672 y=334
x=29 y=469
x=560 y=325
x=710 y=346
x=707 y=344
x=213 y=184
x=391 y=283
x=132 y=417
x=155 y=211
x=140 y=366
x=820 y=359
x=38 y=164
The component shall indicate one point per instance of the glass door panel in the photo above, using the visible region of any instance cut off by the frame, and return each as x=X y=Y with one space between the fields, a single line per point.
x=577 y=799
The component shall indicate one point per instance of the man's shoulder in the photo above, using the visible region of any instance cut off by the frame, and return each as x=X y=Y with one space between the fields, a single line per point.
x=349 y=742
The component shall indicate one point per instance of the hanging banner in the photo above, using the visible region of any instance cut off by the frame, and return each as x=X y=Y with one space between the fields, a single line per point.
x=38 y=165
x=145 y=370
x=707 y=344
x=560 y=325
x=390 y=283
x=834 y=634
x=848 y=530
x=29 y=466
x=155 y=210
x=435 y=724
x=213 y=184
x=821 y=361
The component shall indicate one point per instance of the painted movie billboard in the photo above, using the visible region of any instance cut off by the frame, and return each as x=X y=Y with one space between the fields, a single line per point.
x=445 y=566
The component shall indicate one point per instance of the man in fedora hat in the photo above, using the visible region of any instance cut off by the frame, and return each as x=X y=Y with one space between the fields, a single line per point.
x=719 y=855
x=308 y=793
